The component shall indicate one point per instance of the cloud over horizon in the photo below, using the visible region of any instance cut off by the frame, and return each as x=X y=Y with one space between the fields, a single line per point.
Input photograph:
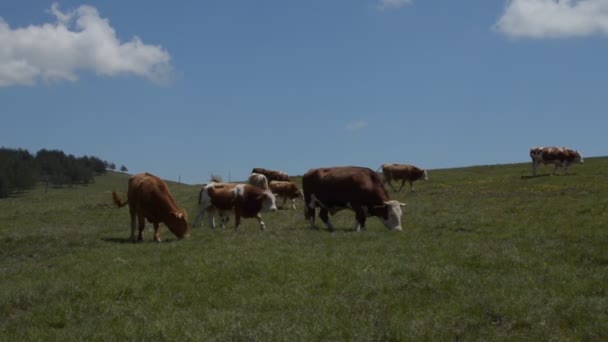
x=356 y=125
x=554 y=18
x=388 y=4
x=79 y=40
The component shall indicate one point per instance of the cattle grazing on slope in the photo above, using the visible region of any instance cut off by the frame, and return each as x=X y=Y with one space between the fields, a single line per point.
x=271 y=174
x=357 y=188
x=403 y=172
x=286 y=190
x=149 y=199
x=244 y=200
x=559 y=156
x=259 y=180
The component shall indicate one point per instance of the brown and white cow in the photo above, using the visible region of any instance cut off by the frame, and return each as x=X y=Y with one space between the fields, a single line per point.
x=271 y=175
x=286 y=190
x=403 y=172
x=559 y=156
x=149 y=199
x=244 y=200
x=357 y=188
x=259 y=180
x=224 y=215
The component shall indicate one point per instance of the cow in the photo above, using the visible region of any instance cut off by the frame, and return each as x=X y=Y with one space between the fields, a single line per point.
x=403 y=172
x=259 y=180
x=211 y=210
x=271 y=174
x=244 y=200
x=559 y=156
x=357 y=188
x=149 y=199
x=286 y=190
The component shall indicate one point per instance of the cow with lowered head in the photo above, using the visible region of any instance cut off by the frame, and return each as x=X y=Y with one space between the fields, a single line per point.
x=357 y=188
x=559 y=156
x=244 y=200
x=286 y=190
x=149 y=199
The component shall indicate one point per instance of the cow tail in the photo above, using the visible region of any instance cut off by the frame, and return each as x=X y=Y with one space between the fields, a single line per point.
x=117 y=200
x=378 y=169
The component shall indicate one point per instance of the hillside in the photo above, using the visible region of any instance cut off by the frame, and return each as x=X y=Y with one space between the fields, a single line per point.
x=486 y=253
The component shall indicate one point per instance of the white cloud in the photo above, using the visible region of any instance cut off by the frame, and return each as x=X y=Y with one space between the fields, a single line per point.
x=387 y=4
x=554 y=18
x=355 y=125
x=78 y=40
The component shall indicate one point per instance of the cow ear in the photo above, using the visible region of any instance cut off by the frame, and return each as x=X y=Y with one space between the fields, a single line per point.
x=402 y=205
x=179 y=214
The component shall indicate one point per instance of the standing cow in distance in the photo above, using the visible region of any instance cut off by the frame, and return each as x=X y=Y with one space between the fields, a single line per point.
x=271 y=175
x=357 y=188
x=403 y=172
x=559 y=156
x=244 y=200
x=286 y=190
x=149 y=199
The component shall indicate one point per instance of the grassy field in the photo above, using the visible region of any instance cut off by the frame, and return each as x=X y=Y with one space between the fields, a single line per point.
x=486 y=254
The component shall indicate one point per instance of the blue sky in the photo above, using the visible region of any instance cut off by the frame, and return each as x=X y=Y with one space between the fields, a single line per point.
x=183 y=91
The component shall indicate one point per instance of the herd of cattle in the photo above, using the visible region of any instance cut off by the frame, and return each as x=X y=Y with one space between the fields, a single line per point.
x=332 y=189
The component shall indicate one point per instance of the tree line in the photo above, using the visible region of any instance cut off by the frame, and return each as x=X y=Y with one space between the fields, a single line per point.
x=20 y=170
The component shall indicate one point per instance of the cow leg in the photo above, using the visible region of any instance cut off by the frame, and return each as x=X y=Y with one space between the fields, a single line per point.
x=555 y=169
x=411 y=186
x=237 y=221
x=156 y=232
x=309 y=211
x=211 y=218
x=565 y=166
x=402 y=185
x=293 y=203
x=133 y=219
x=360 y=219
x=141 y=221
x=262 y=225
x=324 y=215
x=534 y=168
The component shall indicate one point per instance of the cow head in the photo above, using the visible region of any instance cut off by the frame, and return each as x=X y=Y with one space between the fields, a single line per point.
x=268 y=201
x=578 y=158
x=390 y=214
x=178 y=224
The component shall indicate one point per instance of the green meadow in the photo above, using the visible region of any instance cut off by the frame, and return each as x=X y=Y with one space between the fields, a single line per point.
x=486 y=253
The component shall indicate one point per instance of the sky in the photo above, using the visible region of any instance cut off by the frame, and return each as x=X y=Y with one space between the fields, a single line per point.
x=188 y=89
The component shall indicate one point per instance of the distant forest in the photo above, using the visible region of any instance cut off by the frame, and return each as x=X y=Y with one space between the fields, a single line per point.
x=20 y=170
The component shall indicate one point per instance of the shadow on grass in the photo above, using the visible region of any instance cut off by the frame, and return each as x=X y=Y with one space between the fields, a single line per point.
x=128 y=240
x=116 y=240
x=547 y=175
x=537 y=176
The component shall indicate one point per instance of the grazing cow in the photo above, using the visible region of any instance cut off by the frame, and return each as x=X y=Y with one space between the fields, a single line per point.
x=244 y=200
x=259 y=180
x=272 y=175
x=559 y=156
x=356 y=188
x=149 y=199
x=403 y=172
x=286 y=190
